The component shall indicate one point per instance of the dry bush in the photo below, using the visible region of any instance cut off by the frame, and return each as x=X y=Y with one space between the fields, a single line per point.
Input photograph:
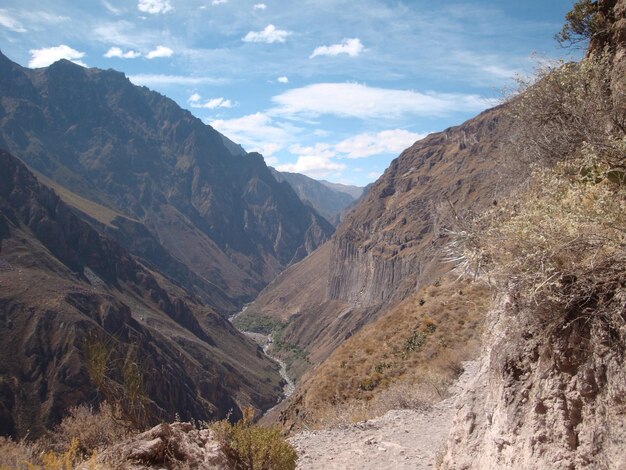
x=560 y=245
x=16 y=455
x=253 y=447
x=93 y=431
x=565 y=106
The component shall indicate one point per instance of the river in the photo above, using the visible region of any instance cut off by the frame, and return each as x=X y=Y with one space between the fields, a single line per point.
x=265 y=341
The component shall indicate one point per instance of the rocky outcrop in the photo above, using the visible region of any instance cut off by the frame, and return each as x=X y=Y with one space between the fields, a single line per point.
x=544 y=397
x=166 y=446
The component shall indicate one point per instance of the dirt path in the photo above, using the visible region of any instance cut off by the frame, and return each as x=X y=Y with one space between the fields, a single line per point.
x=401 y=439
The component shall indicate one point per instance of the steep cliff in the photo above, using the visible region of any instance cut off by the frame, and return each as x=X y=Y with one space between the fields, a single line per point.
x=137 y=153
x=64 y=288
x=391 y=243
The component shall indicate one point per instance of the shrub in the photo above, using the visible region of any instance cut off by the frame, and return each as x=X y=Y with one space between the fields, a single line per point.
x=561 y=243
x=118 y=379
x=255 y=448
x=92 y=431
x=585 y=21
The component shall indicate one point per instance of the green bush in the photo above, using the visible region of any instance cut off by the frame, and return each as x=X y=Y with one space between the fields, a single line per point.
x=255 y=448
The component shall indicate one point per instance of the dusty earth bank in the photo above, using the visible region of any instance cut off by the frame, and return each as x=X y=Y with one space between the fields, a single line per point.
x=401 y=439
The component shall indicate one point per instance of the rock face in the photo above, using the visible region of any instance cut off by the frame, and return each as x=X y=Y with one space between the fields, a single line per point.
x=391 y=242
x=222 y=221
x=64 y=288
x=166 y=446
x=542 y=400
x=327 y=200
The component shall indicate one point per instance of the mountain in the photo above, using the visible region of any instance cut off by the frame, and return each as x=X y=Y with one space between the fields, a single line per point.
x=354 y=191
x=65 y=290
x=326 y=198
x=390 y=244
x=169 y=188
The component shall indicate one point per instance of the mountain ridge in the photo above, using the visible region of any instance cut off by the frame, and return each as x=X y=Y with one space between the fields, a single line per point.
x=134 y=151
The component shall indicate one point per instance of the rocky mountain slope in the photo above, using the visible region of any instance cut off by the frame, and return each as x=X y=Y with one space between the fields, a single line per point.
x=391 y=243
x=66 y=290
x=329 y=201
x=167 y=180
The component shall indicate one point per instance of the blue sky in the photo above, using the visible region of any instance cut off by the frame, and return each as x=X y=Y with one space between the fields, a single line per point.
x=333 y=89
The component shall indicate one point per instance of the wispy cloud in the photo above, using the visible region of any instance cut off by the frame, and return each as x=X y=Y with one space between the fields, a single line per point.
x=165 y=80
x=258 y=131
x=352 y=47
x=218 y=2
x=10 y=23
x=154 y=7
x=269 y=35
x=48 y=55
x=117 y=52
x=259 y=6
x=160 y=51
x=111 y=8
x=283 y=79
x=195 y=101
x=368 y=144
x=364 y=102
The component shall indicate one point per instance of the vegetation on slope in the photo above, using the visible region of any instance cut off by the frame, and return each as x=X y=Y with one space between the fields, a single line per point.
x=406 y=358
x=560 y=245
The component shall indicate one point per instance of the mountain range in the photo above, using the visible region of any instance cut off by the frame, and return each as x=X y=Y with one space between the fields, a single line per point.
x=128 y=224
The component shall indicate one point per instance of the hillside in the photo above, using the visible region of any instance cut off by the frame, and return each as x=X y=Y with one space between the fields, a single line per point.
x=171 y=180
x=329 y=200
x=391 y=243
x=67 y=292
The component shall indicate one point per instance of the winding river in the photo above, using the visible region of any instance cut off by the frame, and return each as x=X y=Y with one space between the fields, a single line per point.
x=265 y=341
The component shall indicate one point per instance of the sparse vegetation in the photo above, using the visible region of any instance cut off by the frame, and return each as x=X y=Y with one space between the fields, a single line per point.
x=80 y=436
x=584 y=21
x=258 y=324
x=127 y=396
x=253 y=447
x=405 y=359
x=560 y=246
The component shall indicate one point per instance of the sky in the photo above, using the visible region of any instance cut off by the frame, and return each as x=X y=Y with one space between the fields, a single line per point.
x=334 y=89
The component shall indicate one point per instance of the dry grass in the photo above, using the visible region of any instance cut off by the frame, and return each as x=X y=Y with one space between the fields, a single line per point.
x=81 y=435
x=405 y=359
x=560 y=246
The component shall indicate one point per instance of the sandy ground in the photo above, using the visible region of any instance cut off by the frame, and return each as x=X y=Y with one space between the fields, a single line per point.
x=401 y=439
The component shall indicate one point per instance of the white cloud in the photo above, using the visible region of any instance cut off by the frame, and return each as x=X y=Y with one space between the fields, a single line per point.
x=269 y=35
x=212 y=103
x=160 y=51
x=154 y=7
x=111 y=8
x=117 y=52
x=10 y=23
x=48 y=55
x=259 y=6
x=164 y=80
x=352 y=47
x=283 y=79
x=218 y=2
x=364 y=102
x=258 y=132
x=313 y=161
x=367 y=144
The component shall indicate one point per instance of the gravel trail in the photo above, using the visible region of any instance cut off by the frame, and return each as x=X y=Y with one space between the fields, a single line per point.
x=401 y=439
